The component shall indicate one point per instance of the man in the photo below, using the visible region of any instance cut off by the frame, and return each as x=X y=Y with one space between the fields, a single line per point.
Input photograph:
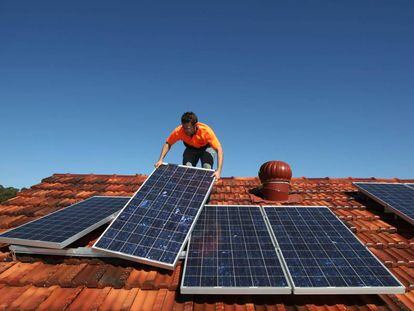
x=200 y=141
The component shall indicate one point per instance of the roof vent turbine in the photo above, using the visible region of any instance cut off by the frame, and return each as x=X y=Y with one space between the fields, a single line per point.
x=275 y=177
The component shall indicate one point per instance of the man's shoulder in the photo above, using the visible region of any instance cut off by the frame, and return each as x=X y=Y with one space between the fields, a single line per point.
x=178 y=128
x=204 y=126
x=207 y=130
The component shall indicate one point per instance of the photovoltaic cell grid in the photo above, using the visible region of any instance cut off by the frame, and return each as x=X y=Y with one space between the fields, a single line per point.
x=410 y=185
x=397 y=197
x=156 y=223
x=62 y=227
x=323 y=255
x=231 y=252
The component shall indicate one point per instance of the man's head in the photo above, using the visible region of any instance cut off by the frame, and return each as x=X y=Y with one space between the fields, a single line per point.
x=189 y=121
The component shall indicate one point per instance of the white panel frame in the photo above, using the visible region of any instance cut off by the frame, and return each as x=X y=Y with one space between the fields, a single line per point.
x=70 y=252
x=387 y=206
x=411 y=185
x=60 y=245
x=152 y=262
x=253 y=290
x=339 y=290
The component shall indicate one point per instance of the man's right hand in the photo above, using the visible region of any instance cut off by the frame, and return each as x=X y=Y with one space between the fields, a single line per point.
x=159 y=163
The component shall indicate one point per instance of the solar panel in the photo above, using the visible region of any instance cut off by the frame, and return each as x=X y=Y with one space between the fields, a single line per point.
x=155 y=224
x=231 y=252
x=324 y=257
x=399 y=198
x=65 y=226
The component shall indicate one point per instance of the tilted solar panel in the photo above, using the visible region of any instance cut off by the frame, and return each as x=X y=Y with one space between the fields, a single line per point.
x=324 y=257
x=155 y=224
x=65 y=226
x=398 y=198
x=231 y=252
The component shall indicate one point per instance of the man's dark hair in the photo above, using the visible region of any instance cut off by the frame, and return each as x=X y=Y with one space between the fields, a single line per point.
x=189 y=117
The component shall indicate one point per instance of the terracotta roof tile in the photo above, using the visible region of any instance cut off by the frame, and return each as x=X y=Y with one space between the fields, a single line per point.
x=129 y=300
x=12 y=210
x=167 y=280
x=385 y=240
x=12 y=221
x=395 y=257
x=5 y=265
x=355 y=214
x=9 y=294
x=115 y=299
x=90 y=276
x=13 y=275
x=405 y=275
x=89 y=299
x=31 y=298
x=159 y=302
x=406 y=301
x=149 y=282
x=65 y=274
x=39 y=275
x=118 y=299
x=145 y=300
x=169 y=300
x=136 y=278
x=370 y=226
x=176 y=277
x=59 y=299
x=87 y=272
x=114 y=277
x=391 y=303
x=4 y=256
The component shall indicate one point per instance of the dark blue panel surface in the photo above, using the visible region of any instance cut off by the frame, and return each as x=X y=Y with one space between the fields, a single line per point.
x=231 y=247
x=62 y=225
x=321 y=252
x=155 y=224
x=398 y=197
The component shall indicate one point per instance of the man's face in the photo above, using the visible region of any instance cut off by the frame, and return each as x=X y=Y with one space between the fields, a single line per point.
x=189 y=129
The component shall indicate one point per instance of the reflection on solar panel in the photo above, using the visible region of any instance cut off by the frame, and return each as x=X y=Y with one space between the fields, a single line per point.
x=65 y=226
x=410 y=185
x=231 y=252
x=323 y=256
x=156 y=223
x=399 y=198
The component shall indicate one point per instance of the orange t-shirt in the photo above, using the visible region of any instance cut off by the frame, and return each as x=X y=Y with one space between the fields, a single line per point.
x=203 y=136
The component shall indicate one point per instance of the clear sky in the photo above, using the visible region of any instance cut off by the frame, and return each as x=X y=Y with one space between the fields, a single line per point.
x=96 y=86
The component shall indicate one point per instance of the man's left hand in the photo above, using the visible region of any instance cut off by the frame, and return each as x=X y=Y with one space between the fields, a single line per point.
x=216 y=175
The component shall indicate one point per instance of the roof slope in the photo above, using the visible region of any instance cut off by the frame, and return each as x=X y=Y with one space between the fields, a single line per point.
x=53 y=283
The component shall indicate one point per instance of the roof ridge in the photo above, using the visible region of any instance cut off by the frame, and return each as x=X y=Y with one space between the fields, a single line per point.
x=93 y=174
x=397 y=179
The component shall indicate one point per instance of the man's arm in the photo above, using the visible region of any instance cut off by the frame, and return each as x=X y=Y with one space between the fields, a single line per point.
x=165 y=148
x=219 y=151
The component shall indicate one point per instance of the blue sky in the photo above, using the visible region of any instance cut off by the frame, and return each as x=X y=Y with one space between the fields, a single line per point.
x=96 y=87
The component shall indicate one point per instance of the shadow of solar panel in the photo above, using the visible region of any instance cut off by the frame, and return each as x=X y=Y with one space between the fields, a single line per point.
x=231 y=252
x=398 y=198
x=65 y=226
x=155 y=224
x=324 y=257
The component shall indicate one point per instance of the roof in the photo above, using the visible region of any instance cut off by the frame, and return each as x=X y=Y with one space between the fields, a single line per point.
x=56 y=283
